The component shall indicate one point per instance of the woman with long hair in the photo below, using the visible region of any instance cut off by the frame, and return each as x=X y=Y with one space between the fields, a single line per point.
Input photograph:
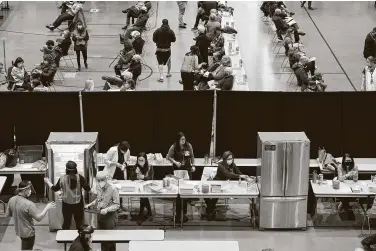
x=227 y=170
x=182 y=158
x=80 y=38
x=143 y=171
x=71 y=185
x=83 y=240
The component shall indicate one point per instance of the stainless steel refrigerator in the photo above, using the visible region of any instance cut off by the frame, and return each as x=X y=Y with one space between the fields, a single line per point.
x=80 y=147
x=284 y=169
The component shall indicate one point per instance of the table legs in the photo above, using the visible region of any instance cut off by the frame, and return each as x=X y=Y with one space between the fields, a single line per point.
x=65 y=246
x=253 y=212
x=182 y=213
x=173 y=211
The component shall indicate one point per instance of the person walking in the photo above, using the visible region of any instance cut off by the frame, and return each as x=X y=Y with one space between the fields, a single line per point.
x=80 y=38
x=189 y=67
x=182 y=5
x=163 y=37
x=71 y=185
x=309 y=5
x=24 y=212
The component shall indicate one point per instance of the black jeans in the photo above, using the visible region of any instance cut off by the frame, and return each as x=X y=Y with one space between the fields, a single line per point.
x=210 y=205
x=77 y=210
x=27 y=243
x=63 y=17
x=108 y=221
x=188 y=79
x=132 y=13
x=145 y=203
x=178 y=207
x=204 y=17
x=84 y=54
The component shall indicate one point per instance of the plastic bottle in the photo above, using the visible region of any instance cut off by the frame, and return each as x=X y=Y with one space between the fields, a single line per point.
x=355 y=174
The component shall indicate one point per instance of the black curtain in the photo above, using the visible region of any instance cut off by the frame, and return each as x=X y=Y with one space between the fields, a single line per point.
x=241 y=115
x=119 y=116
x=38 y=114
x=189 y=112
x=319 y=115
x=7 y=121
x=359 y=124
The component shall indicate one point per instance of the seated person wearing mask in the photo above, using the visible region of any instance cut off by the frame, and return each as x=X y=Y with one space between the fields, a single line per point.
x=83 y=241
x=301 y=75
x=20 y=77
x=138 y=43
x=134 y=11
x=140 y=24
x=117 y=81
x=227 y=170
x=224 y=84
x=316 y=84
x=212 y=27
x=67 y=16
x=45 y=72
x=135 y=67
x=125 y=57
x=48 y=48
x=62 y=47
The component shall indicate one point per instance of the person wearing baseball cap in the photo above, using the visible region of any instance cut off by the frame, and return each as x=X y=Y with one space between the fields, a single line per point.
x=23 y=211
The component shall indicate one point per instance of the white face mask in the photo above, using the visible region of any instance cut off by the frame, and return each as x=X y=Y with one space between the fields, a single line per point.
x=28 y=193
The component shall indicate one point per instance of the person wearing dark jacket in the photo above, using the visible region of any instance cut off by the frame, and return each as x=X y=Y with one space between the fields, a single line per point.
x=44 y=73
x=63 y=45
x=227 y=82
x=140 y=24
x=125 y=57
x=370 y=44
x=135 y=67
x=280 y=26
x=83 y=240
x=80 y=38
x=163 y=37
x=227 y=170
x=204 y=11
x=71 y=185
x=203 y=43
x=301 y=75
x=138 y=43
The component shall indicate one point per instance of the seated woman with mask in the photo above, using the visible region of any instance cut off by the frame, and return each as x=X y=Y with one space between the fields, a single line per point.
x=117 y=81
x=227 y=170
x=224 y=84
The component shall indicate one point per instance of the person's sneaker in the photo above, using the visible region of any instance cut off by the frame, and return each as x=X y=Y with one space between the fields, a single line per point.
x=194 y=28
x=182 y=26
x=168 y=75
x=310 y=8
x=86 y=66
x=125 y=27
x=124 y=11
x=50 y=27
x=292 y=13
x=302 y=5
x=78 y=68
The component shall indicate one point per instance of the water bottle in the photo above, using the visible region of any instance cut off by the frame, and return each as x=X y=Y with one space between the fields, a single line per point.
x=355 y=174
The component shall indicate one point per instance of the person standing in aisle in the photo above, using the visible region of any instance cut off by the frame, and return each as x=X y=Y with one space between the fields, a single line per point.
x=182 y=158
x=107 y=203
x=116 y=163
x=309 y=5
x=369 y=75
x=71 y=185
x=163 y=37
x=24 y=212
x=80 y=37
x=182 y=5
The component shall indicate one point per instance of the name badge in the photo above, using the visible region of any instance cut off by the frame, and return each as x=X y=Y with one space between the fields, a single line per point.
x=186 y=153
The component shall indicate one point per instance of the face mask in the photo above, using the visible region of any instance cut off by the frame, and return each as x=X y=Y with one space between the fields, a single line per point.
x=28 y=193
x=80 y=27
x=229 y=162
x=102 y=184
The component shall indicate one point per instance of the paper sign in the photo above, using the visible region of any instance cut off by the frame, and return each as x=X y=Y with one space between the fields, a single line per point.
x=94 y=10
x=70 y=75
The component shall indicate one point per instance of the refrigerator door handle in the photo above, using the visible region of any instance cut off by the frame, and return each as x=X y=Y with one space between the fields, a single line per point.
x=284 y=169
x=284 y=199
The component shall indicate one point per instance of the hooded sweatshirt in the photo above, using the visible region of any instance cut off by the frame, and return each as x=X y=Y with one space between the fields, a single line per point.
x=163 y=37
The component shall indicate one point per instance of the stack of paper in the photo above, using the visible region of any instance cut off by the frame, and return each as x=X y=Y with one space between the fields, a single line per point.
x=216 y=188
x=186 y=188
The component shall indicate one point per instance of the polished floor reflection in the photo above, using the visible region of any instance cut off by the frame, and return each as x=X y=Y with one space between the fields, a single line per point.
x=335 y=36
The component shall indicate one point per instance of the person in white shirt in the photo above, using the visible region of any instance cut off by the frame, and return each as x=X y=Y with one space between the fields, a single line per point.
x=116 y=164
x=369 y=75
